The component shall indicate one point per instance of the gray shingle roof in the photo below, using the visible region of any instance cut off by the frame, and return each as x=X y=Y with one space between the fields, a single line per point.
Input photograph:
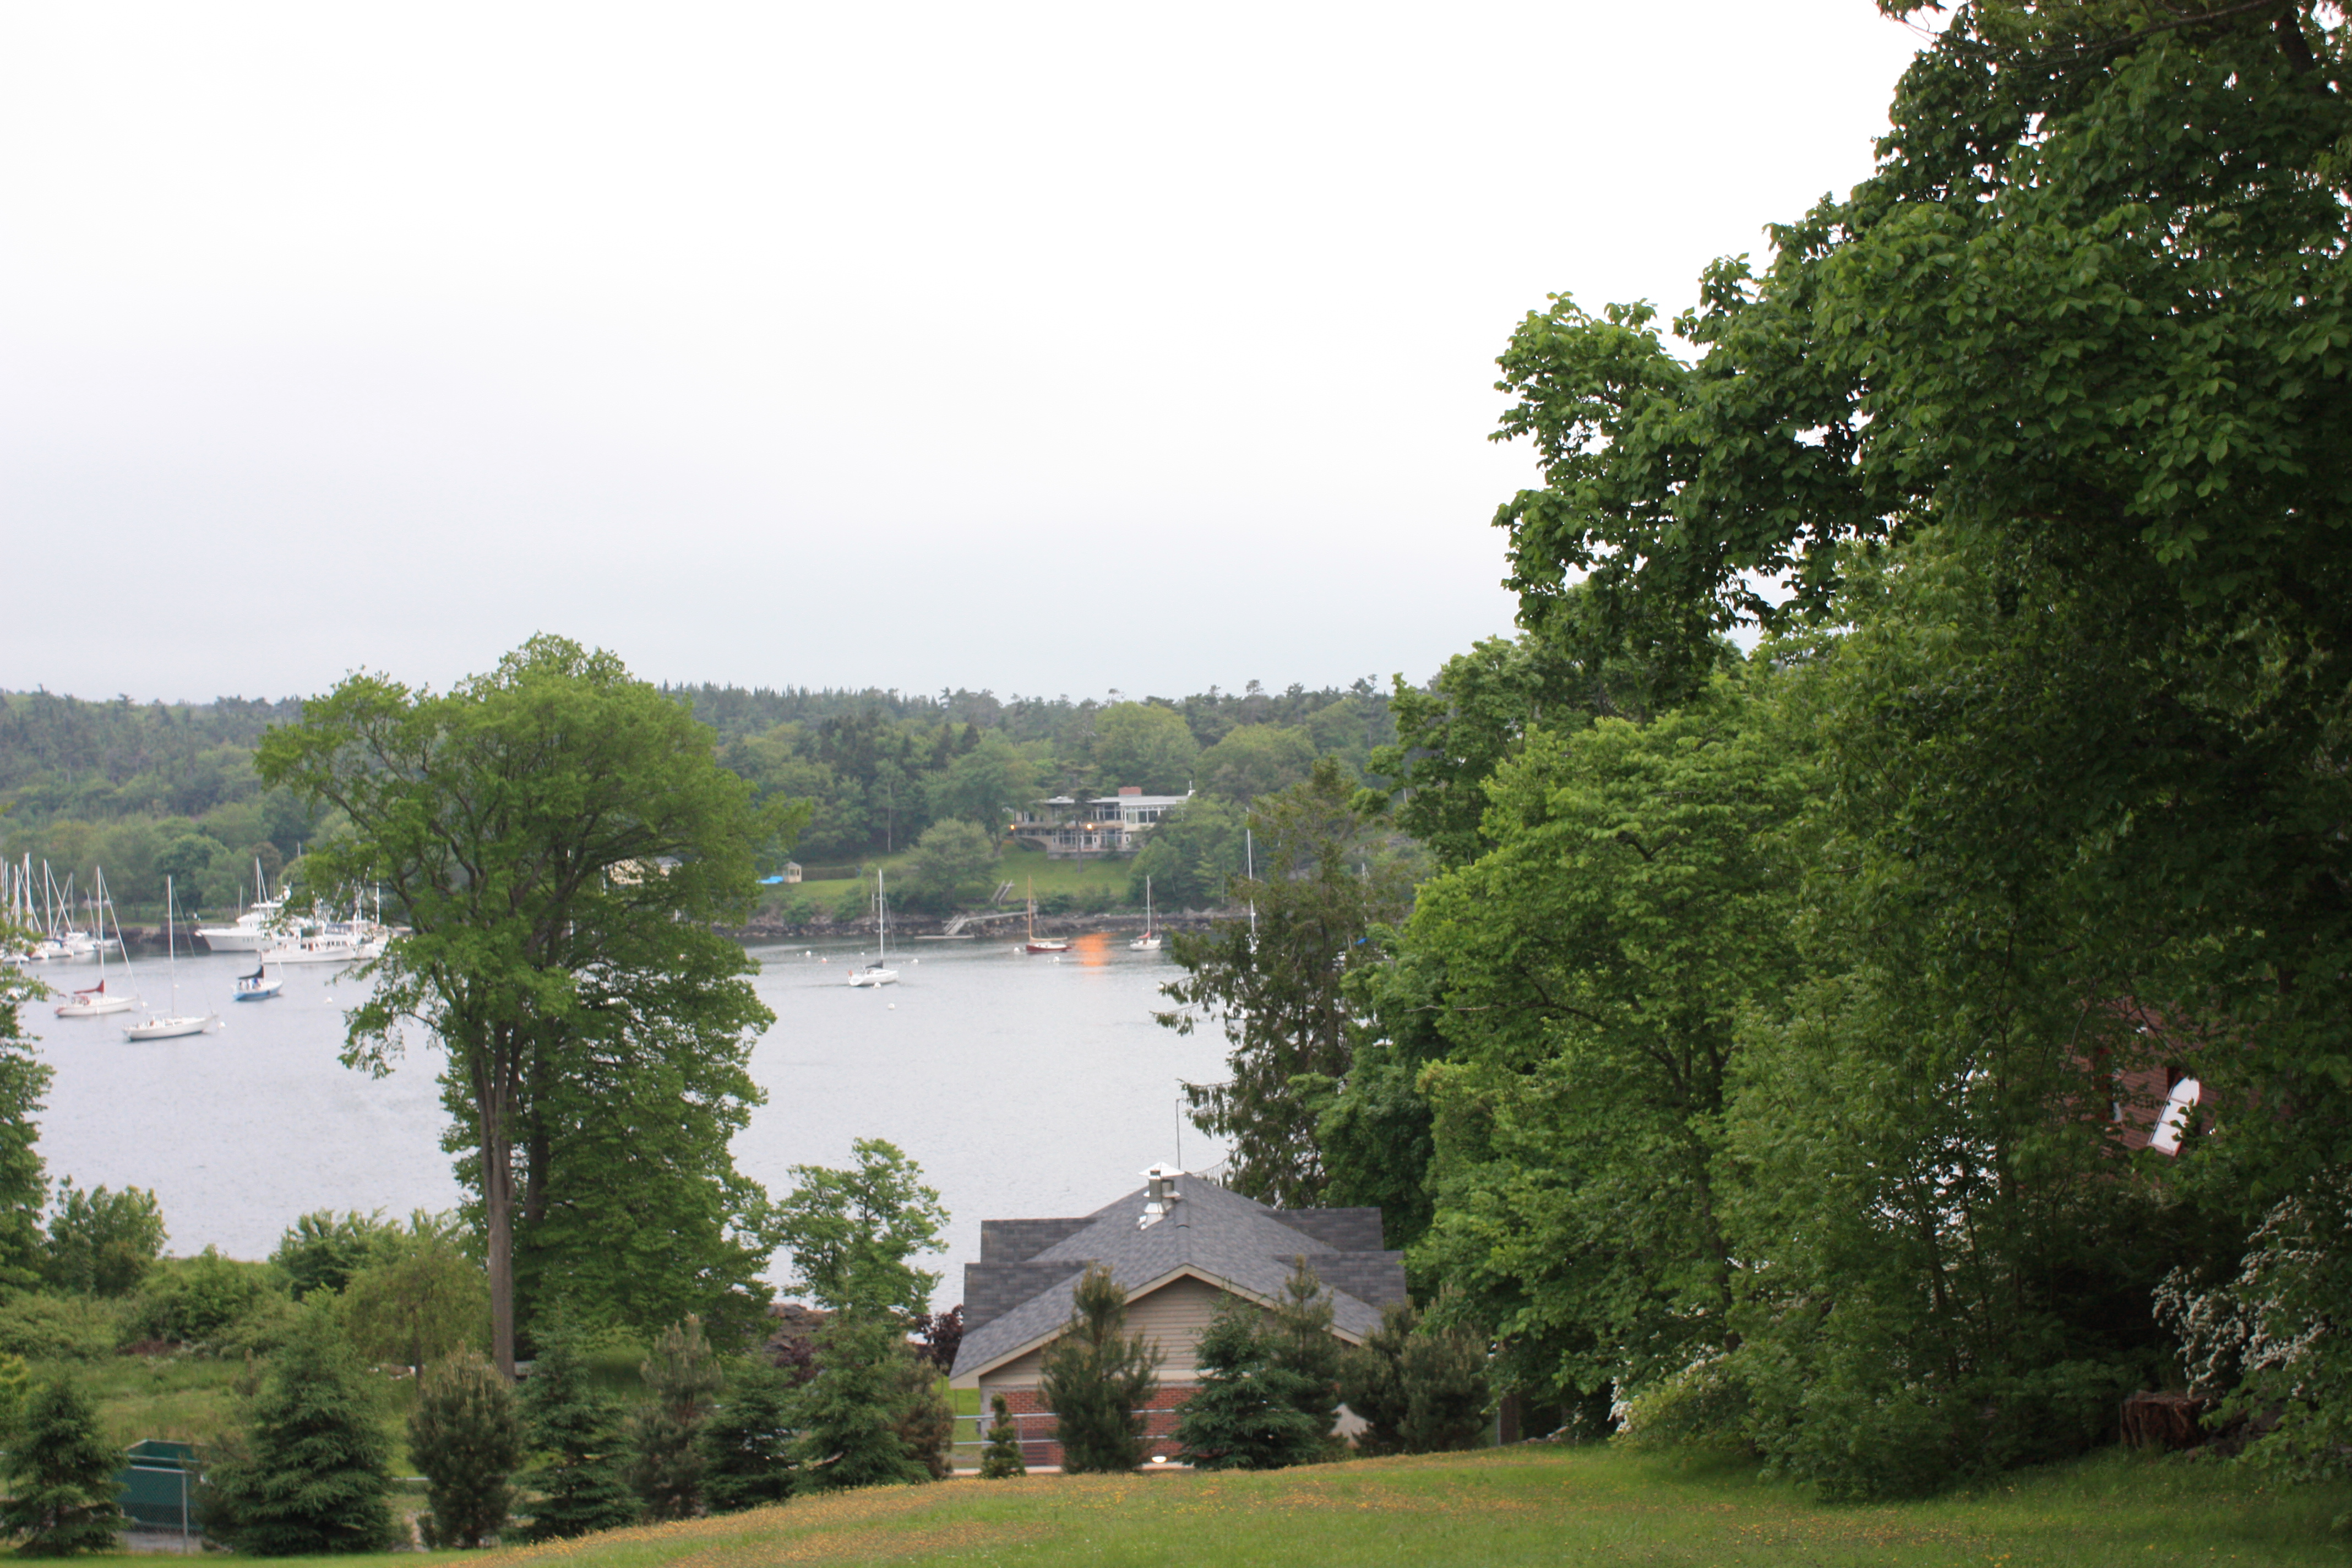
x=1229 y=1239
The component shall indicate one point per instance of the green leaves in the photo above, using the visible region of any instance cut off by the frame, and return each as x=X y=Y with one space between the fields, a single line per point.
x=853 y=1232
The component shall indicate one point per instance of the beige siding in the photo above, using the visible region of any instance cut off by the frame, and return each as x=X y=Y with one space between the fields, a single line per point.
x=1170 y=1318
x=1173 y=1318
x=1021 y=1372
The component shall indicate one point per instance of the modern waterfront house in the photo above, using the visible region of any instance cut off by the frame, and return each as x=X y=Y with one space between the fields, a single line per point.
x=1068 y=827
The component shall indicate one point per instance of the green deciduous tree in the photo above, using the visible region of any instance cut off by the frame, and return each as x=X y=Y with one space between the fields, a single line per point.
x=852 y=1232
x=1188 y=856
x=466 y=1436
x=985 y=785
x=101 y=1243
x=1098 y=1379
x=1147 y=745
x=314 y=1465
x=574 y=1426
x=61 y=1477
x=747 y=1441
x=560 y=837
x=1641 y=894
x=1276 y=983
x=1254 y=760
x=950 y=856
x=424 y=1301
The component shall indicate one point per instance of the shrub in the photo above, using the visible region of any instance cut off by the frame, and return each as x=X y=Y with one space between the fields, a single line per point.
x=57 y=1328
x=198 y=1301
x=1097 y=1377
x=1002 y=1459
x=1705 y=1405
x=322 y=1250
x=61 y=1476
x=467 y=1437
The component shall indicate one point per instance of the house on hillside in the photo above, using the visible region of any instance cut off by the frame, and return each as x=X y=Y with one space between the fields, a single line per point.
x=1068 y=827
x=1177 y=1246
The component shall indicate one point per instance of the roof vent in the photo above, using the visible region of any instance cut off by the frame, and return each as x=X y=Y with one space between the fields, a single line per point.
x=1160 y=1195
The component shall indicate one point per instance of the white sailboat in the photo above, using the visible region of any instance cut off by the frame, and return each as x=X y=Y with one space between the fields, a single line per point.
x=96 y=1001
x=172 y=1025
x=1150 y=941
x=879 y=972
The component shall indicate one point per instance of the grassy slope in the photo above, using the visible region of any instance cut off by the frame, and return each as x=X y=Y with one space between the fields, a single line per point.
x=1527 y=1505
x=1017 y=865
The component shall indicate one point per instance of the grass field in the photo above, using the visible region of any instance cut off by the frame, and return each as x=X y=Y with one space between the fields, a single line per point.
x=1080 y=879
x=1502 y=1508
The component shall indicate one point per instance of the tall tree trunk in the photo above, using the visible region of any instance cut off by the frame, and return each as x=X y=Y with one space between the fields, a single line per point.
x=498 y=1208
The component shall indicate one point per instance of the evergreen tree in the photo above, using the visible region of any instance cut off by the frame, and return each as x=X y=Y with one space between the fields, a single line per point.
x=575 y=1426
x=1250 y=1411
x=1418 y=1388
x=466 y=1436
x=1446 y=1393
x=848 y=1416
x=61 y=1477
x=311 y=1473
x=1299 y=1341
x=1002 y=1459
x=665 y=1458
x=747 y=1442
x=926 y=1420
x=1097 y=1378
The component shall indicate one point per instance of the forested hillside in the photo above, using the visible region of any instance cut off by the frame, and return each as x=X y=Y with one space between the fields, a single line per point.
x=146 y=791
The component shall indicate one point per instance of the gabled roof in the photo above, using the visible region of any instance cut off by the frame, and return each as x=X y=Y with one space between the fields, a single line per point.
x=1023 y=1296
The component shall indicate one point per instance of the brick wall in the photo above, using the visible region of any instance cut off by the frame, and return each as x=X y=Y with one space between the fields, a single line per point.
x=1039 y=1451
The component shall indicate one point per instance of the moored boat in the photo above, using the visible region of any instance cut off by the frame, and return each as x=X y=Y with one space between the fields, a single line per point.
x=257 y=986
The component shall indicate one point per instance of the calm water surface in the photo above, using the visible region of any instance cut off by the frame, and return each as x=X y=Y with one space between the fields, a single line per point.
x=1024 y=1086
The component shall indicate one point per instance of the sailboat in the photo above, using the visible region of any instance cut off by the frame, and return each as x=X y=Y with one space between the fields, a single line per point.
x=1037 y=943
x=1150 y=941
x=96 y=1001
x=879 y=972
x=172 y=1025
x=257 y=986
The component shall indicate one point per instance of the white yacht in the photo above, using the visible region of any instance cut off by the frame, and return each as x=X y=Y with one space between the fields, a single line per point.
x=259 y=927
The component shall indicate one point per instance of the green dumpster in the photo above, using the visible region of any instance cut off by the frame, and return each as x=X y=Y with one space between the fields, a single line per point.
x=158 y=1484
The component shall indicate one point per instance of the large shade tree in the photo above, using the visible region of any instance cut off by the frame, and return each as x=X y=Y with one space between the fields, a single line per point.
x=558 y=836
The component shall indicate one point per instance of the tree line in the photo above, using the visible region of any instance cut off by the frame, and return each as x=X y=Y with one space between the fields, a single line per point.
x=1769 y=1061
x=151 y=792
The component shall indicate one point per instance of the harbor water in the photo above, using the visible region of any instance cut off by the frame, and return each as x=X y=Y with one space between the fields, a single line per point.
x=1024 y=1084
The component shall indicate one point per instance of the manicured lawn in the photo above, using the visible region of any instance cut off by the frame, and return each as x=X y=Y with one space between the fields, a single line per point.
x=1506 y=1507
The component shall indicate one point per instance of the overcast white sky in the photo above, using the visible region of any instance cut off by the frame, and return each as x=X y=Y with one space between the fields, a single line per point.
x=1043 y=347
